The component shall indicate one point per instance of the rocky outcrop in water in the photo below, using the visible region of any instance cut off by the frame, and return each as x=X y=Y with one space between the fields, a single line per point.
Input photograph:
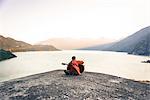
x=6 y=55
x=148 y=61
x=55 y=85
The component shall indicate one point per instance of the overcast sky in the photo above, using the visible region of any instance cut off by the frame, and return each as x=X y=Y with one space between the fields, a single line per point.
x=36 y=20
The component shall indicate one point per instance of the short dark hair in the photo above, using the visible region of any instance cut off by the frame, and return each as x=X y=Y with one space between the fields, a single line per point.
x=73 y=57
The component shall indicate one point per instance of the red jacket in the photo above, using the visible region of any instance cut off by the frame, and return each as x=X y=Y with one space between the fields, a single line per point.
x=74 y=66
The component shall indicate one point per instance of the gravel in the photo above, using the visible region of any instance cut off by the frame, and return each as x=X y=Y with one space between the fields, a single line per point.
x=55 y=85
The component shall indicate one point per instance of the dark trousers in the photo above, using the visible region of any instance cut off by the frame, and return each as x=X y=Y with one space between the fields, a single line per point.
x=68 y=72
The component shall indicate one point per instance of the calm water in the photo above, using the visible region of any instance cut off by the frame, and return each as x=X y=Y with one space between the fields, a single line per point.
x=113 y=63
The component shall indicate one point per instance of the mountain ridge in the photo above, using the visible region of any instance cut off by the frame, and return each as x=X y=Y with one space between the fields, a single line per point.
x=74 y=43
x=137 y=43
x=10 y=44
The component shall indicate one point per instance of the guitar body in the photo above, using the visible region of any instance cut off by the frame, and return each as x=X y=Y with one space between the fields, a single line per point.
x=81 y=67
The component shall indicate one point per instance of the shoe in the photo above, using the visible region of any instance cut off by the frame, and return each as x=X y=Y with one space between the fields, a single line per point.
x=66 y=72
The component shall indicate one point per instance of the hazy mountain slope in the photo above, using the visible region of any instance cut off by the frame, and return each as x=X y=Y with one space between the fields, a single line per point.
x=138 y=43
x=74 y=43
x=132 y=42
x=98 y=47
x=35 y=48
x=8 y=43
x=15 y=46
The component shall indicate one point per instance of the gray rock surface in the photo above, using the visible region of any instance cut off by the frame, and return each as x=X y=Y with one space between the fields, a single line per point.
x=55 y=85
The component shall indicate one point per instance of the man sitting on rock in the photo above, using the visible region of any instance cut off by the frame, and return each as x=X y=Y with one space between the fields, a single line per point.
x=74 y=67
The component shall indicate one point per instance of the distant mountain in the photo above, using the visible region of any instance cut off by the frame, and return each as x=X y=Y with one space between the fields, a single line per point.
x=8 y=43
x=6 y=55
x=13 y=45
x=34 y=48
x=74 y=43
x=138 y=44
x=98 y=47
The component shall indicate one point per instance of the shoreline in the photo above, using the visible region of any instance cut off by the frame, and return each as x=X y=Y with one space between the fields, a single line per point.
x=11 y=79
x=56 y=85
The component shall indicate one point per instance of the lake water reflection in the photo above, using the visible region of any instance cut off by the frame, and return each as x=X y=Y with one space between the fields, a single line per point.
x=113 y=63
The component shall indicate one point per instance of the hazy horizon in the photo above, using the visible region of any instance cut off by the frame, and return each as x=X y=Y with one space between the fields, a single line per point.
x=38 y=20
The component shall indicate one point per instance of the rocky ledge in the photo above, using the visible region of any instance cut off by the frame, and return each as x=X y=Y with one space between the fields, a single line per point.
x=54 y=85
x=6 y=55
x=148 y=61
